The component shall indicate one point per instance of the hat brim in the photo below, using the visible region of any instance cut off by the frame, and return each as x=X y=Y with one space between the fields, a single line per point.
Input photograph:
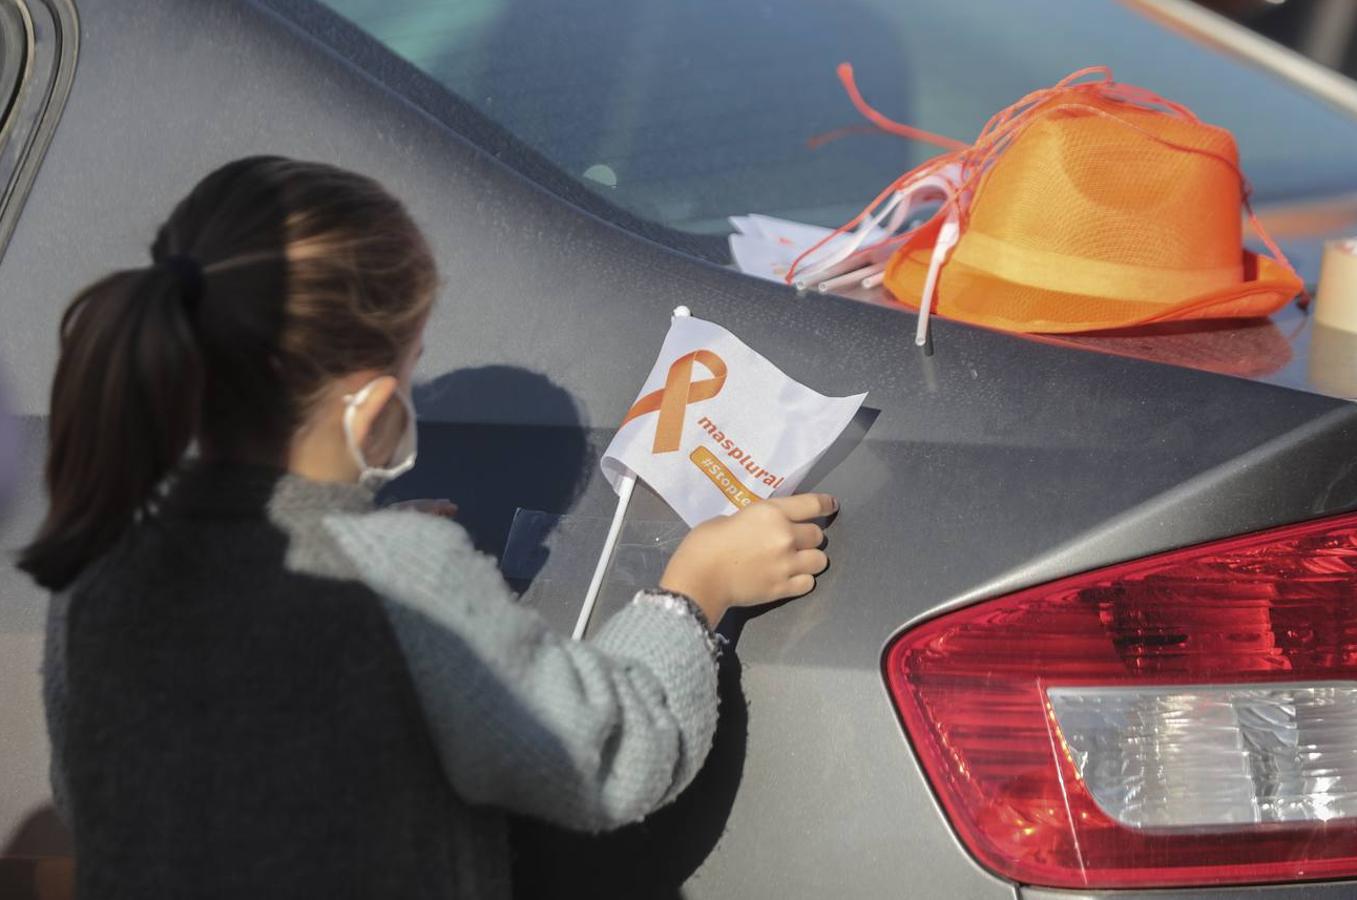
x=971 y=295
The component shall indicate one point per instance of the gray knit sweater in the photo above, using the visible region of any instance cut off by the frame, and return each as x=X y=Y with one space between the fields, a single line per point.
x=234 y=633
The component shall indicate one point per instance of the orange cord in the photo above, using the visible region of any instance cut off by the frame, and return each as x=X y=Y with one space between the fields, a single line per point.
x=816 y=141
x=845 y=71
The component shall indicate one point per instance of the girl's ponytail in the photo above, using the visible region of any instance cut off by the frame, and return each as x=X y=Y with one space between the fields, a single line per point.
x=126 y=402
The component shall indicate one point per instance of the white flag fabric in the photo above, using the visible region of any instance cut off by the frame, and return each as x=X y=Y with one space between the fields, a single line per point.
x=717 y=427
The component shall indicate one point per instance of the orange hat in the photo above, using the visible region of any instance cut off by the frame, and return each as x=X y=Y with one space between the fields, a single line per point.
x=1089 y=206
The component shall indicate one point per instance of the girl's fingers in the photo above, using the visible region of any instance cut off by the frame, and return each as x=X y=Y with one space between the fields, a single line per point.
x=808 y=536
x=800 y=584
x=811 y=562
x=801 y=507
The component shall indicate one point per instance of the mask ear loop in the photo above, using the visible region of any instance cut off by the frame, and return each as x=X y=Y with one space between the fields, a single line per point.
x=351 y=404
x=412 y=427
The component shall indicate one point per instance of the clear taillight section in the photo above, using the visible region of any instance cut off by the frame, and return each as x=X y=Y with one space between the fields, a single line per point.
x=1185 y=719
x=1203 y=757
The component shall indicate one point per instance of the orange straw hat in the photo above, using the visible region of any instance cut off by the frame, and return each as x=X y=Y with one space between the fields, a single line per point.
x=1085 y=206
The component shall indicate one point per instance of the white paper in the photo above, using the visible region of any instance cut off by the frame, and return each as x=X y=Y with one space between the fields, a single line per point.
x=766 y=247
x=755 y=437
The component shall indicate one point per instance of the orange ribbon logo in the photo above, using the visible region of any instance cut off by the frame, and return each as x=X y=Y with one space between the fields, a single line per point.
x=679 y=390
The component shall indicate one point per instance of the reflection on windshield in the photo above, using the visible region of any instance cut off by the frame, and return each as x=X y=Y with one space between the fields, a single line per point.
x=685 y=112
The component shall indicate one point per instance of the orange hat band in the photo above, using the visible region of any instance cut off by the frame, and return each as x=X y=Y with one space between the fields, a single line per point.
x=1082 y=275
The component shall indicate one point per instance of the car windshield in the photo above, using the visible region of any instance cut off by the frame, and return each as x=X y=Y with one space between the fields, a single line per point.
x=685 y=112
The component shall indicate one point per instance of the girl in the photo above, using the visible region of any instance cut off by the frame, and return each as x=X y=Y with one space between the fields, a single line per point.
x=257 y=684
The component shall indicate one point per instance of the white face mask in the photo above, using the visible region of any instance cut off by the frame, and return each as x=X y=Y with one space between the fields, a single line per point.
x=402 y=459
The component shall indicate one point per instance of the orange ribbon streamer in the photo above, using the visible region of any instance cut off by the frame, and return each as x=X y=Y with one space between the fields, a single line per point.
x=678 y=392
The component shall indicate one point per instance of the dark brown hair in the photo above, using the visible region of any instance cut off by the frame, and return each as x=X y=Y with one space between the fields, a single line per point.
x=270 y=279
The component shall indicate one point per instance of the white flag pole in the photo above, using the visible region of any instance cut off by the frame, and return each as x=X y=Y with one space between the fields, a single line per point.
x=625 y=486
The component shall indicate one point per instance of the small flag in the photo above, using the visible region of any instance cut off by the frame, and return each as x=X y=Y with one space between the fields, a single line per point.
x=717 y=427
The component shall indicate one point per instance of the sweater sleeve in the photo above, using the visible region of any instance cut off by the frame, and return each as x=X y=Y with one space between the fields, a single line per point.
x=589 y=735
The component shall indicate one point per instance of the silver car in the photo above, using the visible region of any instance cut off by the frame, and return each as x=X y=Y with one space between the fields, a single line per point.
x=1089 y=629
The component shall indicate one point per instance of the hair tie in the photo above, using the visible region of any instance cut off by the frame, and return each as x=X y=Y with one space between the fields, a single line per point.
x=189 y=272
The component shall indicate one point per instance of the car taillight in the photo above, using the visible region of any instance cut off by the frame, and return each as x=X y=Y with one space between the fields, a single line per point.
x=1190 y=718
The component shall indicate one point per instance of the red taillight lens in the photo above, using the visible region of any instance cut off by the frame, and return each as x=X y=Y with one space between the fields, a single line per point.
x=1185 y=719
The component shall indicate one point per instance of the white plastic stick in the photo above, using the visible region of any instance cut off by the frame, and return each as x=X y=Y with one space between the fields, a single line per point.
x=947 y=239
x=625 y=486
x=853 y=279
x=845 y=245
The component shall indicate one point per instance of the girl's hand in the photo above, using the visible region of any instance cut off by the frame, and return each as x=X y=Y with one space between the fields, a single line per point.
x=765 y=552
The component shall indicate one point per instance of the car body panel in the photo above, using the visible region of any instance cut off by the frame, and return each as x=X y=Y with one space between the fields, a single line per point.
x=995 y=463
